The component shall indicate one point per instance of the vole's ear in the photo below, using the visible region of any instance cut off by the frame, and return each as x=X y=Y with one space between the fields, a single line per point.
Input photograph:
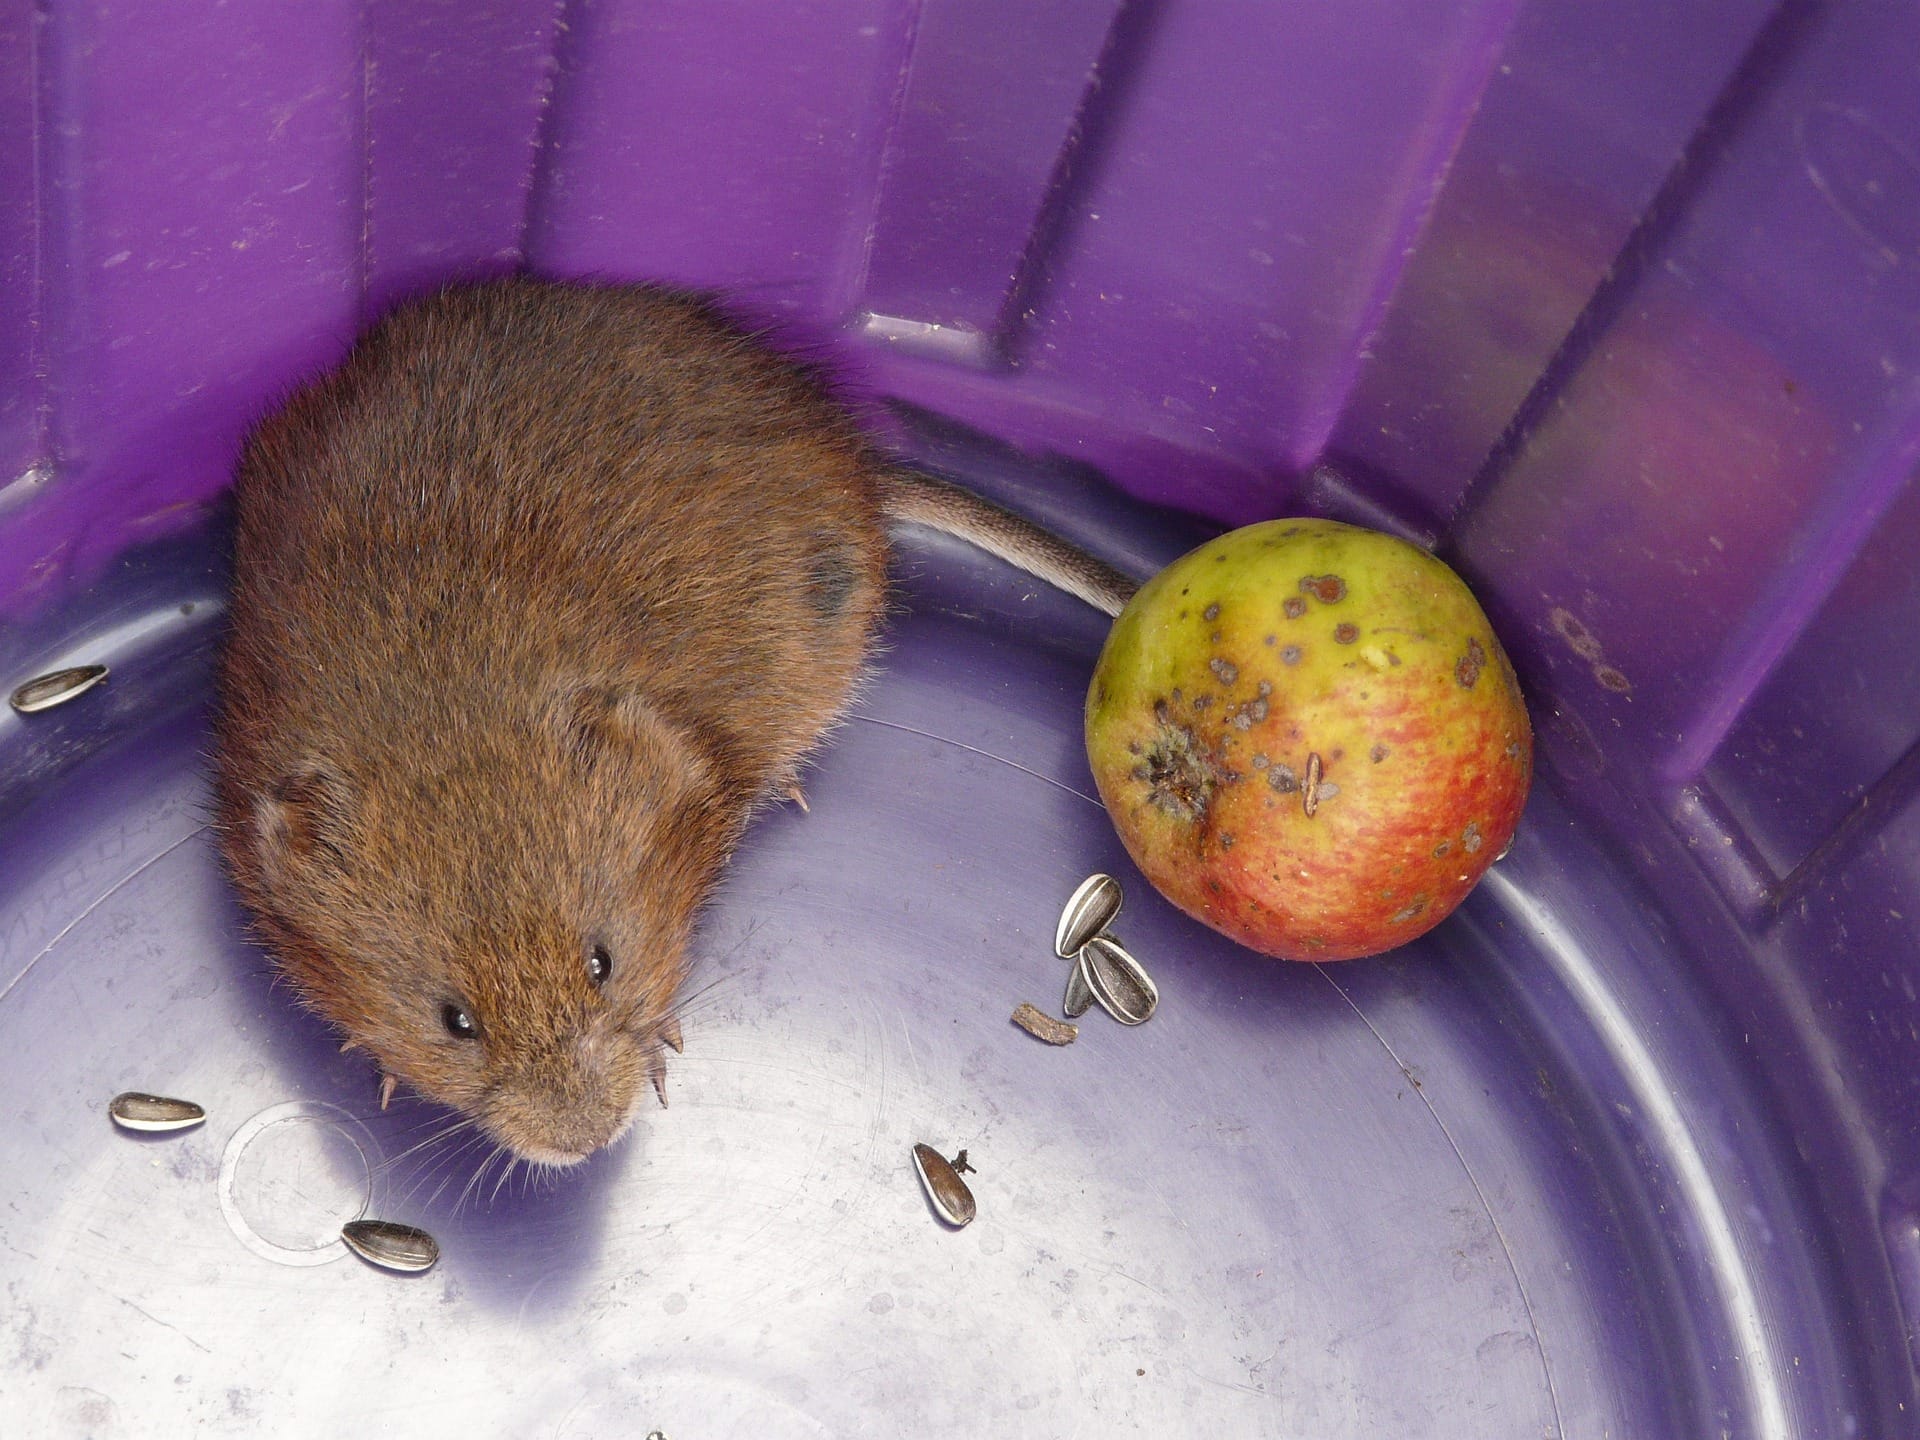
x=834 y=575
x=598 y=721
x=300 y=821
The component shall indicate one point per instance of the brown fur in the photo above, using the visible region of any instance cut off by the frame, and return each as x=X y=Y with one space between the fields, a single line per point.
x=537 y=596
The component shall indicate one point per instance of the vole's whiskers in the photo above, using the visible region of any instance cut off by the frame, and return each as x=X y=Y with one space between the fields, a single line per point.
x=466 y=1146
x=506 y=1174
x=442 y=1128
x=473 y=1186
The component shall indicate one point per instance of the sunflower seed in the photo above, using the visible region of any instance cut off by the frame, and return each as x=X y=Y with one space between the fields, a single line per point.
x=1043 y=1026
x=1090 y=909
x=135 y=1111
x=43 y=692
x=391 y=1246
x=1079 y=997
x=951 y=1199
x=1119 y=982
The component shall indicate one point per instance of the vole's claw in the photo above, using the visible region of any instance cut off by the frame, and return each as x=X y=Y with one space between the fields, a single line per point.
x=657 y=1072
x=670 y=1032
x=388 y=1084
x=794 y=793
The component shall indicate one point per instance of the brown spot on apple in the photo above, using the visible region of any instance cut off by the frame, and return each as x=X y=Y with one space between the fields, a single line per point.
x=1345 y=634
x=1224 y=670
x=1293 y=607
x=1327 y=589
x=1471 y=664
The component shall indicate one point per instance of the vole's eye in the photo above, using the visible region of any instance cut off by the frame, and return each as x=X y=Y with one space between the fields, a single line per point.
x=599 y=965
x=458 y=1022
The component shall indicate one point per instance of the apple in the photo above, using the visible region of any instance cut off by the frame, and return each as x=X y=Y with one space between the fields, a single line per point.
x=1309 y=738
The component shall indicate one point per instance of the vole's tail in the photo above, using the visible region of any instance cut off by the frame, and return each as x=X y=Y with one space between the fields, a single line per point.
x=923 y=500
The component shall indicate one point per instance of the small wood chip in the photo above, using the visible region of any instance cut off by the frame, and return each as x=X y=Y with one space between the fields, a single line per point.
x=1043 y=1026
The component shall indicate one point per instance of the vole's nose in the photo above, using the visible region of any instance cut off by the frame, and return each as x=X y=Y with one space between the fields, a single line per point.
x=562 y=1106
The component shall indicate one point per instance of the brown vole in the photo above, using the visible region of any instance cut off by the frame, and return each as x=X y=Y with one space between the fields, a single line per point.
x=537 y=597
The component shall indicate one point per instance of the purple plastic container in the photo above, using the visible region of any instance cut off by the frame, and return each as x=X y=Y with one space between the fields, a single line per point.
x=1616 y=306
